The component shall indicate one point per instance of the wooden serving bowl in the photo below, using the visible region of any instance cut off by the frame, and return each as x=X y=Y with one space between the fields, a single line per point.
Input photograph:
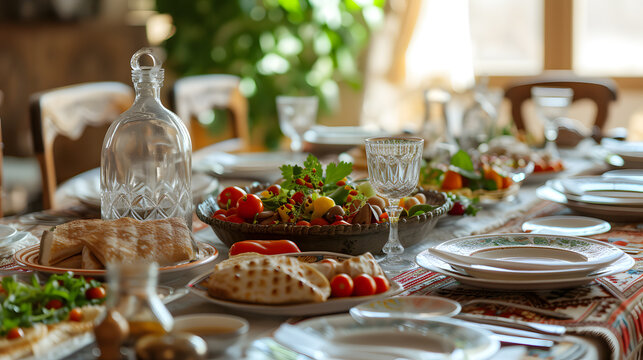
x=347 y=239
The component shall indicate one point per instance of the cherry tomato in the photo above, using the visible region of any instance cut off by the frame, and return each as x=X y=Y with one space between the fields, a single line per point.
x=381 y=284
x=220 y=217
x=218 y=212
x=95 y=293
x=303 y=223
x=229 y=196
x=75 y=315
x=266 y=247
x=318 y=221
x=54 y=304
x=274 y=189
x=231 y=211
x=341 y=285
x=341 y=222
x=15 y=333
x=299 y=197
x=364 y=285
x=234 y=219
x=248 y=206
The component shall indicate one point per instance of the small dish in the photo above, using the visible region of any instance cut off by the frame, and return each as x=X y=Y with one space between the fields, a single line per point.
x=405 y=307
x=220 y=332
x=566 y=225
x=6 y=232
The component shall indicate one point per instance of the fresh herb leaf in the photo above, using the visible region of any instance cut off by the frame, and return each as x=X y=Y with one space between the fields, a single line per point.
x=337 y=172
x=462 y=160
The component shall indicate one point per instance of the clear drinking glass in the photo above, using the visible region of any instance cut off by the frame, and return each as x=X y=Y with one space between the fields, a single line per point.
x=394 y=172
x=297 y=114
x=146 y=160
x=551 y=104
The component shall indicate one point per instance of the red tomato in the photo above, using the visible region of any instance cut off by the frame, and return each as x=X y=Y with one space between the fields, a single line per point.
x=381 y=284
x=266 y=247
x=54 y=304
x=319 y=221
x=341 y=285
x=234 y=219
x=231 y=211
x=248 y=206
x=15 y=333
x=220 y=217
x=299 y=197
x=364 y=285
x=75 y=315
x=303 y=223
x=229 y=196
x=95 y=293
x=218 y=212
x=274 y=189
x=341 y=222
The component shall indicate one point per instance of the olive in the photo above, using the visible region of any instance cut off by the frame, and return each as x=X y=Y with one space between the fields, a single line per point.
x=333 y=212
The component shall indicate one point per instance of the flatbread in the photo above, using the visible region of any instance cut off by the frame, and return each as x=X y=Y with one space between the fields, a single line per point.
x=267 y=279
x=89 y=261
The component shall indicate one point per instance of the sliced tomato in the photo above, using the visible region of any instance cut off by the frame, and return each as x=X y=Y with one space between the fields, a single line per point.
x=235 y=219
x=341 y=285
x=364 y=285
x=54 y=304
x=319 y=221
x=381 y=284
x=75 y=314
x=15 y=333
x=248 y=206
x=229 y=196
x=95 y=293
x=266 y=247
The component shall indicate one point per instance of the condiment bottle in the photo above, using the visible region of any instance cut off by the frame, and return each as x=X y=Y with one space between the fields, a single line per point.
x=146 y=159
x=132 y=297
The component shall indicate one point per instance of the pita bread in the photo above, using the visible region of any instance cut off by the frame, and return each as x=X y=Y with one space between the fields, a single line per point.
x=267 y=279
x=89 y=261
x=60 y=244
x=354 y=266
x=74 y=262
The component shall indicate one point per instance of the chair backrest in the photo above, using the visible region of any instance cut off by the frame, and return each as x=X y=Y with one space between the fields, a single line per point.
x=68 y=125
x=1 y=148
x=600 y=91
x=193 y=95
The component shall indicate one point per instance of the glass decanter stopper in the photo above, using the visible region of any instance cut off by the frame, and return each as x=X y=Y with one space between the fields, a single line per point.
x=134 y=310
x=146 y=158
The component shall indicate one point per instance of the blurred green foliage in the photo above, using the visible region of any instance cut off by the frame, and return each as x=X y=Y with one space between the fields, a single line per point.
x=277 y=47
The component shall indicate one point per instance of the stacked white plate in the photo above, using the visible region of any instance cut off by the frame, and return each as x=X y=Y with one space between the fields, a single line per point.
x=607 y=197
x=525 y=261
x=262 y=166
x=12 y=240
x=630 y=151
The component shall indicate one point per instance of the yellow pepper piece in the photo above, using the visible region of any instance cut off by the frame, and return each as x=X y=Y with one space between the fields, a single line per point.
x=321 y=205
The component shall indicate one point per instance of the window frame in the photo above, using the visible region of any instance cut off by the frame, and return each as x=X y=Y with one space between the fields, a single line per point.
x=558 y=45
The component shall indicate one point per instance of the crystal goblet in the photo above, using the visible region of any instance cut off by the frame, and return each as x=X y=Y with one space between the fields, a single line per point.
x=297 y=114
x=551 y=104
x=394 y=172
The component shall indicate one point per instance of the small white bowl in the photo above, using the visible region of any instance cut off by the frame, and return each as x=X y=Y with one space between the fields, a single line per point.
x=219 y=331
x=6 y=231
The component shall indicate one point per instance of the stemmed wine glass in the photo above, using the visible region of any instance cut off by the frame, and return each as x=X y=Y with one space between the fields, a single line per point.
x=394 y=172
x=297 y=114
x=551 y=104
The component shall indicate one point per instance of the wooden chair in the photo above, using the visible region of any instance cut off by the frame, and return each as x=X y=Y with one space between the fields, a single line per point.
x=68 y=126
x=191 y=96
x=1 y=148
x=600 y=91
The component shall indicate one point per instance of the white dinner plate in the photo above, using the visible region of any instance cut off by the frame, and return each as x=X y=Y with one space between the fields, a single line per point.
x=418 y=307
x=614 y=188
x=341 y=135
x=330 y=306
x=448 y=337
x=606 y=212
x=632 y=174
x=631 y=152
x=258 y=165
x=85 y=187
x=432 y=263
x=566 y=225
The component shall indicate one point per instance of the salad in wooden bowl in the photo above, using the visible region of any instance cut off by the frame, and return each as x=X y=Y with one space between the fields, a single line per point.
x=320 y=210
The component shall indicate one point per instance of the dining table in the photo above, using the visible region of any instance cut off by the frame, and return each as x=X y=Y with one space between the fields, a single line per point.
x=604 y=315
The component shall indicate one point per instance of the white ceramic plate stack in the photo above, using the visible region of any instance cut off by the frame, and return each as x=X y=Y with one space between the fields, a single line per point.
x=606 y=197
x=262 y=166
x=12 y=240
x=630 y=151
x=525 y=261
